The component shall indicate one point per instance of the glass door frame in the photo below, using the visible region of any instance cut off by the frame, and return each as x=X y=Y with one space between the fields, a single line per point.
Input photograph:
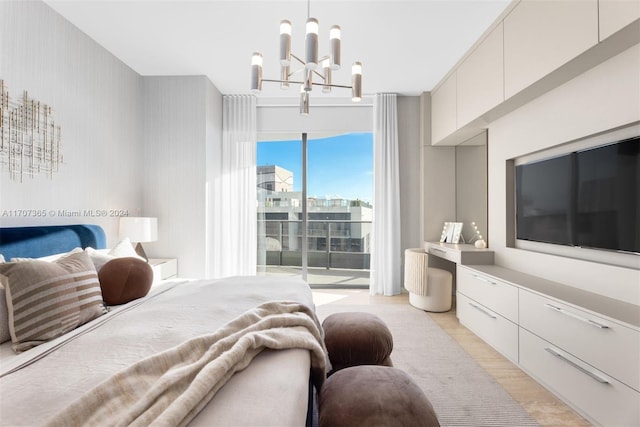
x=305 y=244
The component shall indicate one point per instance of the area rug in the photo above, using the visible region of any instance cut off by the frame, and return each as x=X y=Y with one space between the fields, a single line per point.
x=461 y=392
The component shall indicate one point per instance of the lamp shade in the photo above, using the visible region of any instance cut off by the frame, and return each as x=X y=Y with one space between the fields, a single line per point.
x=139 y=229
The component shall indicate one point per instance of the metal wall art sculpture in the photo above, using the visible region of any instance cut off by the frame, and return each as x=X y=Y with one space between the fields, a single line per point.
x=29 y=138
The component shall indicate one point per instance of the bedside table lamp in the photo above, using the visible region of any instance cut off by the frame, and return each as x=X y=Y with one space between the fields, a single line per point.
x=139 y=229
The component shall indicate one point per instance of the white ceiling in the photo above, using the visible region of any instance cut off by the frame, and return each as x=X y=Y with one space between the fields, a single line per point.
x=406 y=47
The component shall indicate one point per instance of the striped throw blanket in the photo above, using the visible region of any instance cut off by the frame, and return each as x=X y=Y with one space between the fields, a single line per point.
x=171 y=387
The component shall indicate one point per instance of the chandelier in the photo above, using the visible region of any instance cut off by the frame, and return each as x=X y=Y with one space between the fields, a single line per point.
x=310 y=64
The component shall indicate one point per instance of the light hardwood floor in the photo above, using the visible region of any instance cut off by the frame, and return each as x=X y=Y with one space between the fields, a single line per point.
x=543 y=406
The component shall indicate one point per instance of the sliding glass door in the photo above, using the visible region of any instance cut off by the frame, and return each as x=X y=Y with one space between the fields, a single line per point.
x=314 y=208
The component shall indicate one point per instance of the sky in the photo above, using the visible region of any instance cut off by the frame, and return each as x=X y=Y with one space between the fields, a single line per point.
x=339 y=166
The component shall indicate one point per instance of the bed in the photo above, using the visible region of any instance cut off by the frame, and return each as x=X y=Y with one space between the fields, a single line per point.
x=275 y=388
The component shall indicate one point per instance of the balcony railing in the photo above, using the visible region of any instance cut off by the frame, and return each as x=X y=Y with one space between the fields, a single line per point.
x=330 y=243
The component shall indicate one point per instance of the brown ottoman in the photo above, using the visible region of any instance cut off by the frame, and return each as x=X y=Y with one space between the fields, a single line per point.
x=356 y=338
x=373 y=396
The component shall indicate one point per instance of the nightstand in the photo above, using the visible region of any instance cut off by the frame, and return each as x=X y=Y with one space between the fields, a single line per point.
x=163 y=268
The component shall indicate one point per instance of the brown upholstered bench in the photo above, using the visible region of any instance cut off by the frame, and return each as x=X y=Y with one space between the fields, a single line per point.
x=357 y=338
x=373 y=396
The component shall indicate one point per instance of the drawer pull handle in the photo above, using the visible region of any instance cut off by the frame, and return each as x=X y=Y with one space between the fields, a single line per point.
x=593 y=375
x=575 y=316
x=484 y=279
x=482 y=310
x=439 y=250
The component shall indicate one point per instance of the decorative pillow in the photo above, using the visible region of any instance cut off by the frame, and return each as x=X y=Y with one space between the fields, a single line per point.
x=48 y=299
x=100 y=257
x=48 y=258
x=124 y=248
x=125 y=279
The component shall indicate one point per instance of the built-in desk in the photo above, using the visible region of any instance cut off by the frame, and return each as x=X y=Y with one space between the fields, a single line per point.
x=460 y=253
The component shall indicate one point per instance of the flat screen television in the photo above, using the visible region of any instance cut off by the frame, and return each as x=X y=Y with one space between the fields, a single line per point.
x=588 y=198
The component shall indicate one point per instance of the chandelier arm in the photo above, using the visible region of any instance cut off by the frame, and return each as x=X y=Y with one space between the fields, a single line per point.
x=298 y=59
x=332 y=85
x=319 y=75
x=301 y=83
x=282 y=81
x=295 y=72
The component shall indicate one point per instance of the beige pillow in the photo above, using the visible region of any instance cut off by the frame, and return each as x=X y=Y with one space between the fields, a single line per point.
x=4 y=315
x=124 y=248
x=48 y=299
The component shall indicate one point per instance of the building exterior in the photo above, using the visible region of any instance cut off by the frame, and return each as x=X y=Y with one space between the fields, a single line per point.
x=335 y=225
x=274 y=178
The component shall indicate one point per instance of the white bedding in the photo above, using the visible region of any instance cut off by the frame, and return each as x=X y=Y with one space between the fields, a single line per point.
x=271 y=391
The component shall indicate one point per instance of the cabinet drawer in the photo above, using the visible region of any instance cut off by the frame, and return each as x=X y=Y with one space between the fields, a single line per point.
x=453 y=256
x=497 y=331
x=498 y=296
x=611 y=347
x=600 y=397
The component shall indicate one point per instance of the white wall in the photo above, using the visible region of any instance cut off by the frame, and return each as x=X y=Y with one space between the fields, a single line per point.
x=213 y=159
x=409 y=157
x=97 y=102
x=182 y=117
x=605 y=97
x=281 y=117
x=144 y=145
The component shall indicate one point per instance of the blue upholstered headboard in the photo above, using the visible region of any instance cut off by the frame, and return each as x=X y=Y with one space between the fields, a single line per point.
x=36 y=242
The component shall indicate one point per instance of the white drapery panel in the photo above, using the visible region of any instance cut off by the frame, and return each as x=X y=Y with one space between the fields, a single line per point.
x=386 y=255
x=235 y=221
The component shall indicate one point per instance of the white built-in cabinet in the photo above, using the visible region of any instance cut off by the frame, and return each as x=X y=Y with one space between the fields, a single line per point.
x=489 y=307
x=614 y=15
x=443 y=109
x=540 y=36
x=525 y=54
x=583 y=347
x=480 y=79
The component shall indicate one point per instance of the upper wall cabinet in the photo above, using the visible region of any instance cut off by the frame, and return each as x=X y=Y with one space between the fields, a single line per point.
x=616 y=14
x=540 y=36
x=480 y=78
x=537 y=46
x=443 y=109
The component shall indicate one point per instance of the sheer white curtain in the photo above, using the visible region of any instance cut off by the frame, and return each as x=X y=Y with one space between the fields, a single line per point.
x=385 y=248
x=236 y=220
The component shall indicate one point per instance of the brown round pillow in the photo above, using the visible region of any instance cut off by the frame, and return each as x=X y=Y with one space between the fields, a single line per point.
x=373 y=396
x=357 y=338
x=124 y=279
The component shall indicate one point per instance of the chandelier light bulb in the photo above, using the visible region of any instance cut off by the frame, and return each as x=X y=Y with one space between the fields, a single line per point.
x=334 y=42
x=311 y=44
x=284 y=77
x=304 y=102
x=356 y=82
x=256 y=72
x=326 y=66
x=285 y=42
x=308 y=81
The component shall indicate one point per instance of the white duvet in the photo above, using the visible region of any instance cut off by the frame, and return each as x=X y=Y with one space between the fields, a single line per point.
x=272 y=391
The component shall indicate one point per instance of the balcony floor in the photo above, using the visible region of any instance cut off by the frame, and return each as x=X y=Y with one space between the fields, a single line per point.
x=335 y=277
